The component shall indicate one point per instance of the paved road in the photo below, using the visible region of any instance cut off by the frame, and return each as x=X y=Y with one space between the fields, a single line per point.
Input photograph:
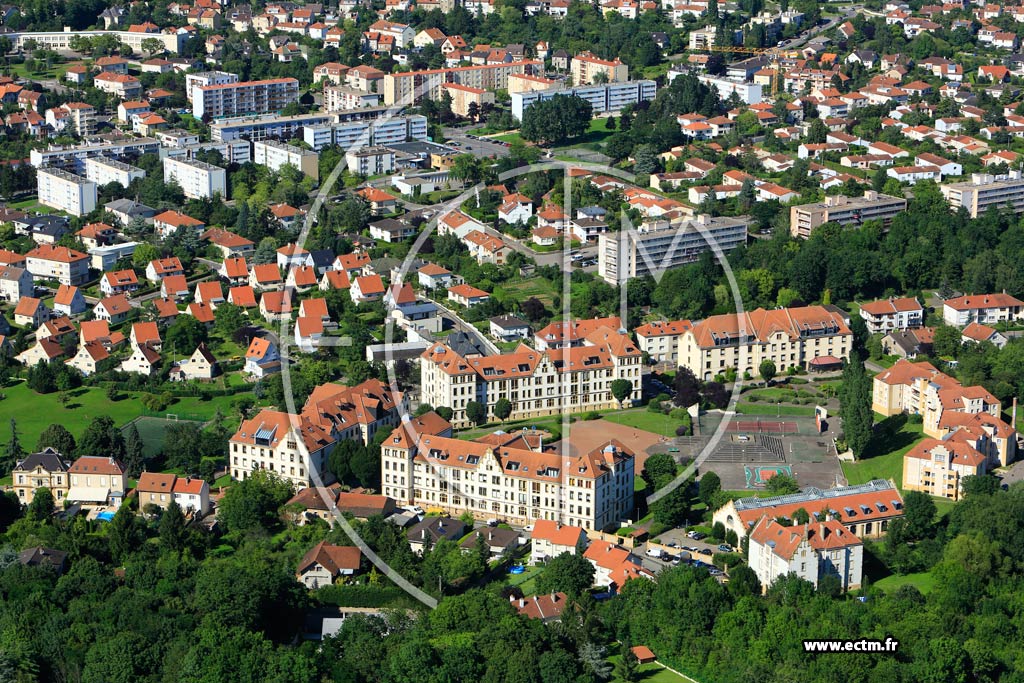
x=462 y=326
x=478 y=147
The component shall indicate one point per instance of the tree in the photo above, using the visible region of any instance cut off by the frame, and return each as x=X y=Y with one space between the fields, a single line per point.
x=124 y=534
x=979 y=485
x=621 y=389
x=101 y=438
x=41 y=506
x=627 y=669
x=855 y=405
x=475 y=412
x=552 y=121
x=57 y=437
x=659 y=469
x=266 y=251
x=671 y=510
x=919 y=514
x=709 y=487
x=229 y=319
x=781 y=484
x=134 y=451
x=185 y=334
x=568 y=573
x=767 y=371
x=502 y=409
x=14 y=451
x=467 y=168
x=687 y=388
x=151 y=45
x=947 y=341
x=173 y=533
x=253 y=502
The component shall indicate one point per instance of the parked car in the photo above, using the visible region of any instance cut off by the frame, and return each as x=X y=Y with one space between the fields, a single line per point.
x=697 y=535
x=725 y=548
x=656 y=553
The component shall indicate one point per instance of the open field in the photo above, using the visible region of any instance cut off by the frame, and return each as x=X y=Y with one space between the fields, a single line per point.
x=884 y=459
x=34 y=412
x=641 y=418
x=922 y=581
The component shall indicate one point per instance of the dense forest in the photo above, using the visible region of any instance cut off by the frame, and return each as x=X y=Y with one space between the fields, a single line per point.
x=147 y=599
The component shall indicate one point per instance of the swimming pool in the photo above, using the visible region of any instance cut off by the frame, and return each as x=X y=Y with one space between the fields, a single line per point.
x=105 y=516
x=516 y=569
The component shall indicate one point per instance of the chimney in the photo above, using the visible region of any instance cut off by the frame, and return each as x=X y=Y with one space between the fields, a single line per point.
x=554 y=596
x=522 y=602
x=1013 y=414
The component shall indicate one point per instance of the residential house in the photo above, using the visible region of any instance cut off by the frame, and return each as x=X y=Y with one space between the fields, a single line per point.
x=892 y=314
x=97 y=480
x=325 y=564
x=549 y=539
x=262 y=358
x=69 y=301
x=812 y=551
x=113 y=309
x=45 y=469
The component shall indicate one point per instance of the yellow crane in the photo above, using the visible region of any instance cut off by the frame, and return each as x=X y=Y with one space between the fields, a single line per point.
x=775 y=56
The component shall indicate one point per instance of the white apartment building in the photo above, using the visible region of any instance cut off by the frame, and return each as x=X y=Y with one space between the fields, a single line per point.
x=274 y=155
x=370 y=161
x=367 y=132
x=409 y=87
x=102 y=170
x=264 y=126
x=537 y=383
x=662 y=244
x=811 y=551
x=519 y=485
x=807 y=337
x=66 y=191
x=886 y=315
x=844 y=210
x=586 y=66
x=205 y=78
x=332 y=413
x=248 y=97
x=660 y=340
x=198 y=180
x=66 y=266
x=341 y=97
x=61 y=40
x=73 y=158
x=606 y=98
x=984 y=190
x=985 y=309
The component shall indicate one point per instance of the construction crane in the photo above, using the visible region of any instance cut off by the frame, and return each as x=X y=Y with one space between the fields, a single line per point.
x=775 y=56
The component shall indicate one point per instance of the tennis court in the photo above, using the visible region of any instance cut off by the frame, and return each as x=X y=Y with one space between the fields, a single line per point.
x=764 y=425
x=152 y=429
x=758 y=475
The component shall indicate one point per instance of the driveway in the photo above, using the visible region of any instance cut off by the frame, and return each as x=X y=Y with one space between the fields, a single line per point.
x=481 y=148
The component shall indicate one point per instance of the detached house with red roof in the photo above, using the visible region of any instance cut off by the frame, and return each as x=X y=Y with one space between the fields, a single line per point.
x=69 y=301
x=812 y=551
x=614 y=565
x=158 y=269
x=324 y=564
x=890 y=314
x=550 y=539
x=987 y=309
x=119 y=282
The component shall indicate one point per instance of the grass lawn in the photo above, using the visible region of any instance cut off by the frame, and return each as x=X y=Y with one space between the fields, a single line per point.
x=596 y=134
x=651 y=673
x=772 y=410
x=884 y=459
x=34 y=412
x=537 y=287
x=923 y=581
x=553 y=422
x=526 y=580
x=641 y=418
x=507 y=137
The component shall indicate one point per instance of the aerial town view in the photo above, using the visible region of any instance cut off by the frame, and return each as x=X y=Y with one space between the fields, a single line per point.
x=525 y=341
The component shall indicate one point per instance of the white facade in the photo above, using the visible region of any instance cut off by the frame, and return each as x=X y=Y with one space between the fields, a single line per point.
x=811 y=551
x=66 y=191
x=607 y=98
x=199 y=80
x=250 y=97
x=274 y=155
x=370 y=161
x=198 y=180
x=102 y=171
x=366 y=132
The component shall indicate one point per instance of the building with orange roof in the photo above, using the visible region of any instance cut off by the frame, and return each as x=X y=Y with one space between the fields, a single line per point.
x=265 y=277
x=551 y=482
x=235 y=270
x=937 y=466
x=324 y=564
x=262 y=358
x=987 y=309
x=867 y=509
x=614 y=565
x=230 y=244
x=789 y=337
x=660 y=339
x=580 y=377
x=191 y=494
x=550 y=539
x=49 y=262
x=812 y=551
x=885 y=315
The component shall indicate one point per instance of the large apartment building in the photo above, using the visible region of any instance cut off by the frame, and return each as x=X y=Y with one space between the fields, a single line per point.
x=296 y=446
x=844 y=210
x=585 y=68
x=552 y=382
x=367 y=132
x=198 y=179
x=886 y=315
x=604 y=98
x=812 y=551
x=661 y=244
x=865 y=509
x=517 y=484
x=660 y=340
x=274 y=155
x=984 y=309
x=66 y=266
x=948 y=409
x=985 y=190
x=102 y=170
x=205 y=78
x=409 y=87
x=68 y=192
x=248 y=97
x=808 y=337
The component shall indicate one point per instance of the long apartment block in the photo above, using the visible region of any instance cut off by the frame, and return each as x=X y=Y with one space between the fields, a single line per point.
x=248 y=97
x=985 y=190
x=844 y=210
x=409 y=87
x=610 y=97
